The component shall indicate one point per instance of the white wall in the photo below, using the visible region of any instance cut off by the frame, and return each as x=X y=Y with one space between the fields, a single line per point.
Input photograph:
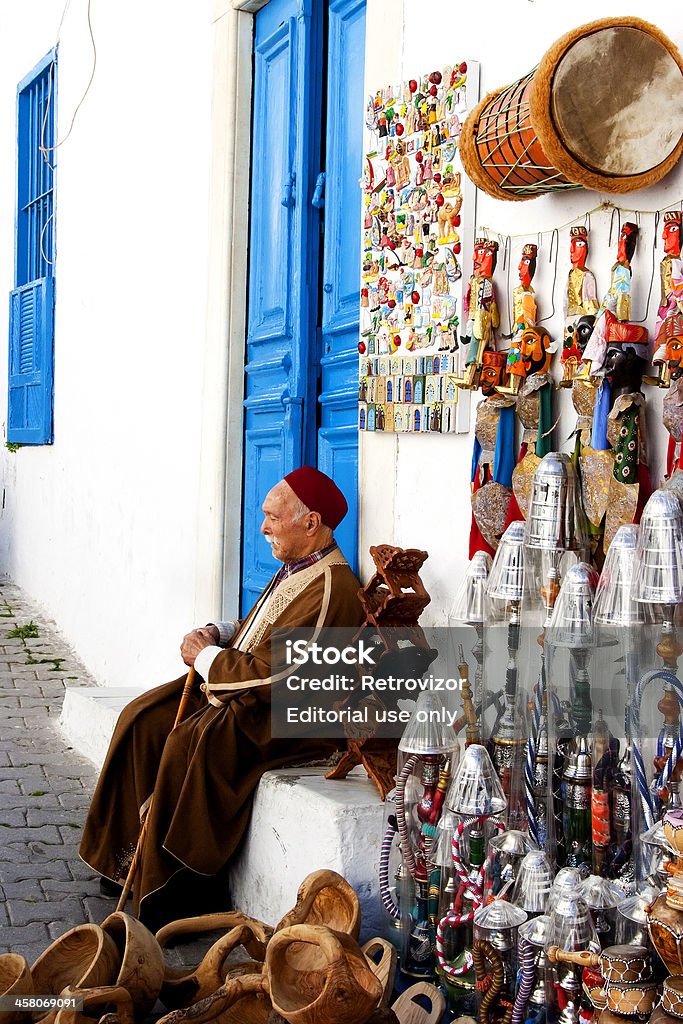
x=101 y=527
x=414 y=490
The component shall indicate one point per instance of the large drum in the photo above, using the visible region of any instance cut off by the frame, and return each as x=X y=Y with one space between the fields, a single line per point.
x=603 y=110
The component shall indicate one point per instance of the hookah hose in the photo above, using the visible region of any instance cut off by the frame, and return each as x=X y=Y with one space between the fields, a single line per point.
x=475 y=892
x=491 y=985
x=384 y=855
x=530 y=766
x=527 y=973
x=403 y=832
x=646 y=798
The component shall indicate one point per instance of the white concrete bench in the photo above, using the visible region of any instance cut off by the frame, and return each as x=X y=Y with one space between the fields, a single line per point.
x=301 y=821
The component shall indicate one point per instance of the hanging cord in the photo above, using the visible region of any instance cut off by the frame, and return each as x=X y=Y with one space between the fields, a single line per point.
x=617 y=210
x=601 y=207
x=49 y=149
x=554 y=239
x=652 y=272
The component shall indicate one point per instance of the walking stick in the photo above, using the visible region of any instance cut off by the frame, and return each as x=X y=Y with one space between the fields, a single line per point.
x=137 y=855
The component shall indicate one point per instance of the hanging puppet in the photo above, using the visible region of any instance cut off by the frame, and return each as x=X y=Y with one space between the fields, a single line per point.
x=580 y=305
x=671 y=335
x=481 y=310
x=528 y=364
x=612 y=322
x=492 y=457
x=612 y=329
x=629 y=482
x=671 y=300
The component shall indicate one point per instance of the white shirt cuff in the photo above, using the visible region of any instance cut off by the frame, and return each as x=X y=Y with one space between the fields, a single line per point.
x=205 y=659
x=226 y=631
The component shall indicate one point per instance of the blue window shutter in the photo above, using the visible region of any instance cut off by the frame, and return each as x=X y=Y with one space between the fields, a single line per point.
x=29 y=418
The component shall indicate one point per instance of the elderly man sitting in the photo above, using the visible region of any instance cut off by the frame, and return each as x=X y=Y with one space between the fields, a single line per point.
x=203 y=773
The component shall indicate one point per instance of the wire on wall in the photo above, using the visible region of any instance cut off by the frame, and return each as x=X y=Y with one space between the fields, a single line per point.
x=45 y=150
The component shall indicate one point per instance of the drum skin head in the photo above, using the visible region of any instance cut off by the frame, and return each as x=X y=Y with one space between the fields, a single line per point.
x=603 y=110
x=639 y=112
x=617 y=101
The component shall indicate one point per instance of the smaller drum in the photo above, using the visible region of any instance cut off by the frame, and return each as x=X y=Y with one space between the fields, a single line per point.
x=672 y=996
x=619 y=964
x=632 y=999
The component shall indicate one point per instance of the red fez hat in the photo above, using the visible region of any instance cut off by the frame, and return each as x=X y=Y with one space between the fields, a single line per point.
x=319 y=493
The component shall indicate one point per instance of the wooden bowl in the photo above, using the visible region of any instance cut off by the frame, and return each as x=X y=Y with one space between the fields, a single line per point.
x=83 y=957
x=325 y=898
x=15 y=980
x=142 y=962
x=382 y=956
x=242 y=1000
x=318 y=976
x=181 y=987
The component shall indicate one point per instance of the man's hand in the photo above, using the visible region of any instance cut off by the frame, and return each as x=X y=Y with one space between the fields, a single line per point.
x=196 y=641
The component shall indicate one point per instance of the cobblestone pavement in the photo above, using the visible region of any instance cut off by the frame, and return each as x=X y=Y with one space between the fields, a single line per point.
x=45 y=790
x=45 y=786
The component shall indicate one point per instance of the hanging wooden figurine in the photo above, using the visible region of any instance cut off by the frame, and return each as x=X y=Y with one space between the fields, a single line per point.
x=595 y=455
x=671 y=335
x=492 y=457
x=524 y=312
x=629 y=482
x=580 y=305
x=612 y=323
x=528 y=364
x=481 y=310
x=671 y=299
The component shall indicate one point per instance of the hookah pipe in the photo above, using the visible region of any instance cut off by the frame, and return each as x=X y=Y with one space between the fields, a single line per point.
x=549 y=592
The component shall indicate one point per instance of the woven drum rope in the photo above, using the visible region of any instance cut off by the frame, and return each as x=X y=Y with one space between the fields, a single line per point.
x=567 y=123
x=137 y=855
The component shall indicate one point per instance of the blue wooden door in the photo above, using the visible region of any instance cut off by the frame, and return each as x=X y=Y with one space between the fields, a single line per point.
x=338 y=433
x=301 y=360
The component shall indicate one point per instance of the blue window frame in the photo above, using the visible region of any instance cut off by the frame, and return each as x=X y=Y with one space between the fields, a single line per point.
x=31 y=313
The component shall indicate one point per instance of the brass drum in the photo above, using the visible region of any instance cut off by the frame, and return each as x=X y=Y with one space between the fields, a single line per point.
x=602 y=110
x=625 y=964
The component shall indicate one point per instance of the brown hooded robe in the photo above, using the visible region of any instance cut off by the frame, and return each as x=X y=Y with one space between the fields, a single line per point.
x=204 y=773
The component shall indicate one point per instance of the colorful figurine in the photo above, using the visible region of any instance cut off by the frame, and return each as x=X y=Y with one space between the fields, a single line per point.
x=612 y=323
x=671 y=335
x=671 y=275
x=480 y=308
x=524 y=314
x=492 y=457
x=580 y=304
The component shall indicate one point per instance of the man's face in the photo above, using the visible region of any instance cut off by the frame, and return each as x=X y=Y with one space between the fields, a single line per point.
x=624 y=244
x=477 y=257
x=672 y=239
x=288 y=538
x=674 y=356
x=578 y=247
x=490 y=379
x=533 y=350
x=525 y=271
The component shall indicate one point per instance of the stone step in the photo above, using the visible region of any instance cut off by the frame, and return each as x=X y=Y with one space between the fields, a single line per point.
x=89 y=715
x=301 y=822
